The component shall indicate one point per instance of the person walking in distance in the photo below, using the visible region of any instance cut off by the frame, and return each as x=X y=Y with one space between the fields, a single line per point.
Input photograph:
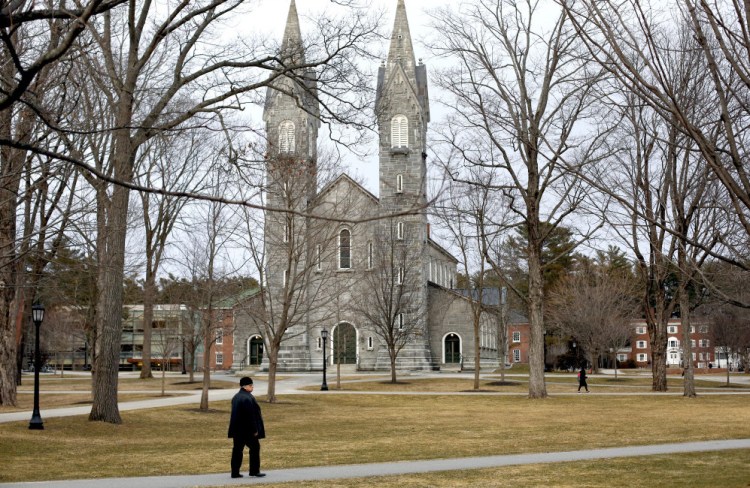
x=246 y=428
x=582 y=379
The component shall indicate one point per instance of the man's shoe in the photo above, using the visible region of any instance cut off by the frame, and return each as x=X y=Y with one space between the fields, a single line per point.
x=237 y=475
x=258 y=475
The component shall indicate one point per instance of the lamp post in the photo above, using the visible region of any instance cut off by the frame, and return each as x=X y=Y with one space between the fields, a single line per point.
x=37 y=315
x=324 y=336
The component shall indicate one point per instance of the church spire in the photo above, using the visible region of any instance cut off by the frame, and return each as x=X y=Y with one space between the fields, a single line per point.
x=401 y=50
x=291 y=45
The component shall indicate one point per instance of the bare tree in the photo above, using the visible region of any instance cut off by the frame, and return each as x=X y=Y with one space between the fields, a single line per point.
x=730 y=327
x=595 y=308
x=521 y=93
x=171 y=162
x=37 y=205
x=463 y=216
x=196 y=80
x=391 y=300
x=56 y=30
x=168 y=341
x=635 y=41
x=296 y=298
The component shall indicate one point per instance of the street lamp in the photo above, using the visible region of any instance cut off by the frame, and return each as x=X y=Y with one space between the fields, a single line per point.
x=37 y=315
x=324 y=336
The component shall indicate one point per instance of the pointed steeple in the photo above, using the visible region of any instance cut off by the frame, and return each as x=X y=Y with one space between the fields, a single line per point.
x=401 y=50
x=401 y=72
x=291 y=45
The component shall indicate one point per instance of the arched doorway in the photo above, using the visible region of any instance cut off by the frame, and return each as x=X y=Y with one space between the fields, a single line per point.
x=344 y=344
x=452 y=349
x=254 y=351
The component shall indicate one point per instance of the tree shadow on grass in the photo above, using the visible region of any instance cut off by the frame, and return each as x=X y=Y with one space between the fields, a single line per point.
x=505 y=383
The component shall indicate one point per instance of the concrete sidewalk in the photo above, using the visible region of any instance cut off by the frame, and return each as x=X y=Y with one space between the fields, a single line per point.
x=388 y=469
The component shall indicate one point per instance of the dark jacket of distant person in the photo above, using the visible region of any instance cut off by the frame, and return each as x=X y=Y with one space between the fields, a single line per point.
x=246 y=419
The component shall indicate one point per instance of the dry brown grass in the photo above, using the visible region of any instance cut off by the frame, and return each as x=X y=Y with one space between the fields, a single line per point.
x=324 y=429
x=515 y=384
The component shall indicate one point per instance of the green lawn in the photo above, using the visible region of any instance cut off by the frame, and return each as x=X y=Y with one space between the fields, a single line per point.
x=320 y=429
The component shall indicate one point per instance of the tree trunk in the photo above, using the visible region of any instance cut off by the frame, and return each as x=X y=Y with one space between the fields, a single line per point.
x=477 y=350
x=658 y=334
x=109 y=302
x=729 y=352
x=207 y=341
x=393 y=369
x=11 y=170
x=537 y=387
x=502 y=336
x=149 y=291
x=273 y=361
x=687 y=355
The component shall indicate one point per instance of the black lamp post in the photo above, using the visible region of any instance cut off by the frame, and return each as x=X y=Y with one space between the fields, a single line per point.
x=324 y=336
x=37 y=315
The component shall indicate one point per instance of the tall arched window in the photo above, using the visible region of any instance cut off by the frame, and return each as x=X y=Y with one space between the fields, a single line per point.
x=400 y=131
x=345 y=249
x=286 y=136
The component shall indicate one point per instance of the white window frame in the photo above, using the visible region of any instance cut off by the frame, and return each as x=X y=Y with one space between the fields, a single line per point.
x=400 y=230
x=642 y=358
x=400 y=321
x=219 y=360
x=640 y=345
x=287 y=136
x=288 y=229
x=640 y=330
x=399 y=183
x=516 y=355
x=399 y=131
x=671 y=329
x=219 y=336
x=370 y=344
x=341 y=232
x=516 y=336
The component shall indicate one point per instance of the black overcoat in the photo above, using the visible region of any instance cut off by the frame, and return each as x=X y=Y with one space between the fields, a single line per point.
x=246 y=419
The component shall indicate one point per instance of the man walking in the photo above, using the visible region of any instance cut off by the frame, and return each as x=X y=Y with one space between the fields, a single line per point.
x=246 y=428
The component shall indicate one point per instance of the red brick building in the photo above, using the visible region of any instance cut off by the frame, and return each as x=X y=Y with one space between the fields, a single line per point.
x=703 y=351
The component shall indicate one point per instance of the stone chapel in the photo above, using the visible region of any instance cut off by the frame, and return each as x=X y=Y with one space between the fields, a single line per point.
x=372 y=256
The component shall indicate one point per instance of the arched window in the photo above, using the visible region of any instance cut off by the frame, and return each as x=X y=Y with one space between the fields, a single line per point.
x=286 y=136
x=345 y=249
x=400 y=131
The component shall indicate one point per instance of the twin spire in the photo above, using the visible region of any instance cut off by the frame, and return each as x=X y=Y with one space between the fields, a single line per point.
x=401 y=49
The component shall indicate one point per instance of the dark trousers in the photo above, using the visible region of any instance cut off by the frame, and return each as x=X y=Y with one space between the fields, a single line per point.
x=253 y=445
x=581 y=384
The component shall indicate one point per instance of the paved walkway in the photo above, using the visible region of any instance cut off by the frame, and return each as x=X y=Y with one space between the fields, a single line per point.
x=388 y=469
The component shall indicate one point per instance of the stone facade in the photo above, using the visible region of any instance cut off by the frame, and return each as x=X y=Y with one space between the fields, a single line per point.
x=352 y=275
